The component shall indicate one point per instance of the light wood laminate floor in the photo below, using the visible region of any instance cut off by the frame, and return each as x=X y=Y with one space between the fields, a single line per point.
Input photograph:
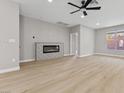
x=94 y=74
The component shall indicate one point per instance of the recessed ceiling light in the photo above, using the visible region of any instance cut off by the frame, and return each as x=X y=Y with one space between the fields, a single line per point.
x=50 y=1
x=97 y=23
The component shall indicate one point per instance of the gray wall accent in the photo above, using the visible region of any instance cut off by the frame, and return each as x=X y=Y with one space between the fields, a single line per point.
x=100 y=41
x=43 y=32
x=9 y=35
x=75 y=29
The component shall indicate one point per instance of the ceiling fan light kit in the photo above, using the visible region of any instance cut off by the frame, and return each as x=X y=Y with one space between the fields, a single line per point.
x=82 y=16
x=50 y=1
x=84 y=7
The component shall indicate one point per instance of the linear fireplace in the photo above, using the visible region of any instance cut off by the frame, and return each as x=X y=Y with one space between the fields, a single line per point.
x=51 y=48
x=48 y=50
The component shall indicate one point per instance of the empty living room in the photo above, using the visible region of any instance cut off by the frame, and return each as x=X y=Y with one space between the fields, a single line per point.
x=61 y=46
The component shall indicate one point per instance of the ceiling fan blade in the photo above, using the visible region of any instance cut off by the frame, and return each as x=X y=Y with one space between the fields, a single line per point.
x=85 y=13
x=87 y=3
x=73 y=5
x=93 y=8
x=74 y=12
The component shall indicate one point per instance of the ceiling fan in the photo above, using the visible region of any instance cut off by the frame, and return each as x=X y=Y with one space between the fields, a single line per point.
x=84 y=7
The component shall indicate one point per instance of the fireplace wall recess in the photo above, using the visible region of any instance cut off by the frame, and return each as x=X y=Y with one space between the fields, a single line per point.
x=52 y=53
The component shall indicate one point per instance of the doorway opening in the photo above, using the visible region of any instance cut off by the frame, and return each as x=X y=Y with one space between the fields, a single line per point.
x=74 y=44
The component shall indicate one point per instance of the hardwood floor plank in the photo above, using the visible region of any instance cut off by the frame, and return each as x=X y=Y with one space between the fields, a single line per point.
x=94 y=74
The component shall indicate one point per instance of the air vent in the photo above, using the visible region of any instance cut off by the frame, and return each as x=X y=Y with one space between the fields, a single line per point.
x=62 y=23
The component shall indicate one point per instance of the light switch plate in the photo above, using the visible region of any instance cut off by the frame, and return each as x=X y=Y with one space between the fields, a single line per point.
x=12 y=40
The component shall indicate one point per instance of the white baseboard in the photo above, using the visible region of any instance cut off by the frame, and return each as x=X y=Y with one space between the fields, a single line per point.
x=86 y=55
x=105 y=54
x=9 y=70
x=67 y=55
x=27 y=60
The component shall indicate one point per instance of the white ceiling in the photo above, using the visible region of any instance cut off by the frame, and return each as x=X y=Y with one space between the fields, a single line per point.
x=111 y=14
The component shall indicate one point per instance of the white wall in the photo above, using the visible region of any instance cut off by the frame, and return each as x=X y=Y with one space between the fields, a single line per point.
x=101 y=44
x=44 y=32
x=9 y=31
x=73 y=30
x=87 y=41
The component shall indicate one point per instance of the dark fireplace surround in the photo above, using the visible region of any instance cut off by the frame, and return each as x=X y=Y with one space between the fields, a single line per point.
x=51 y=48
